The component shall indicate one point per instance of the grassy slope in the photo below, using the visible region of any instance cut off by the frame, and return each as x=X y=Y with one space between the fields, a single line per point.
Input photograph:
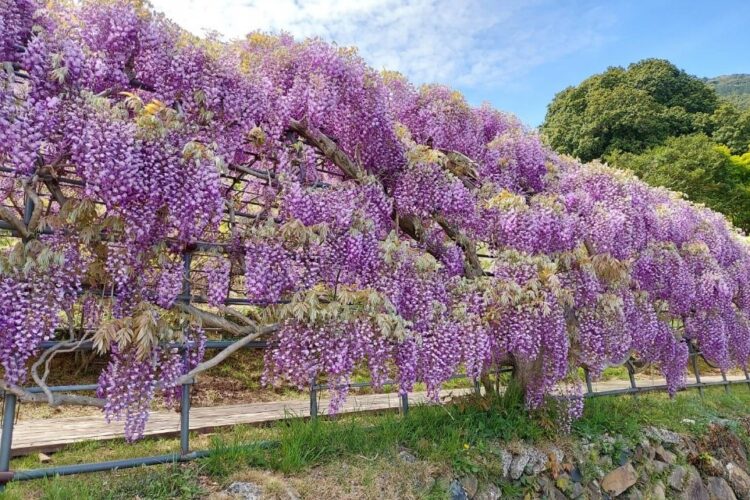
x=355 y=456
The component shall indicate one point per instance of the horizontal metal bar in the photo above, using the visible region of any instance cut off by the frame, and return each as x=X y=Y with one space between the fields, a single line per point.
x=663 y=387
x=64 y=388
x=64 y=470
x=87 y=345
x=222 y=344
x=210 y=344
x=392 y=382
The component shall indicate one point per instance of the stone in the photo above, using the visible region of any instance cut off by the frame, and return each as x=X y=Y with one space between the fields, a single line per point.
x=619 y=480
x=605 y=462
x=556 y=454
x=558 y=495
x=677 y=478
x=665 y=455
x=663 y=436
x=659 y=466
x=537 y=463
x=723 y=422
x=658 y=492
x=518 y=465
x=688 y=421
x=245 y=491
x=507 y=460
x=489 y=492
x=407 y=457
x=694 y=489
x=456 y=491
x=739 y=481
x=575 y=475
x=576 y=490
x=648 y=450
x=633 y=494
x=544 y=487
x=470 y=485
x=709 y=466
x=593 y=491
x=44 y=458
x=719 y=489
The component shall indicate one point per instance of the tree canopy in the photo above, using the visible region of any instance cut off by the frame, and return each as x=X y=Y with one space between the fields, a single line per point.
x=628 y=110
x=654 y=119
x=162 y=187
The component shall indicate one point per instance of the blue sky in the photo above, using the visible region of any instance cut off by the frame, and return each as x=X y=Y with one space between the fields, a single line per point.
x=516 y=54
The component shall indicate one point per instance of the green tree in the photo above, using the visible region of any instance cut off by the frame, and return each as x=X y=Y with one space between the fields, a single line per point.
x=629 y=110
x=731 y=127
x=699 y=167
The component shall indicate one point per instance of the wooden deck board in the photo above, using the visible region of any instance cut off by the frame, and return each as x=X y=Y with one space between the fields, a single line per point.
x=53 y=434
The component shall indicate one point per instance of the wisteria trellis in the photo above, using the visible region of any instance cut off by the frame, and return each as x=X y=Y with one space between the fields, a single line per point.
x=350 y=210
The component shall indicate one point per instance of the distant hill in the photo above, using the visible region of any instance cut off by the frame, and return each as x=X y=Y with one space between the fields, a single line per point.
x=733 y=88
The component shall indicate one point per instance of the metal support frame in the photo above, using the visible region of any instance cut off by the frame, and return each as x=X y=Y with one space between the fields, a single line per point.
x=404 y=398
x=313 y=399
x=10 y=400
x=65 y=470
x=726 y=382
x=186 y=455
x=631 y=376
x=187 y=259
x=185 y=420
x=694 y=361
x=9 y=417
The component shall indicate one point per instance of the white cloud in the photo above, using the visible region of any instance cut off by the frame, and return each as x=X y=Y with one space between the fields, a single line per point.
x=472 y=43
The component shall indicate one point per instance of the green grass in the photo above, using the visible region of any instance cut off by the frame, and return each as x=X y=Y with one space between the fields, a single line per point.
x=157 y=482
x=464 y=437
x=615 y=373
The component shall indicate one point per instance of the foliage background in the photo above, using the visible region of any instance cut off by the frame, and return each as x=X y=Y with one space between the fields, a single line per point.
x=670 y=128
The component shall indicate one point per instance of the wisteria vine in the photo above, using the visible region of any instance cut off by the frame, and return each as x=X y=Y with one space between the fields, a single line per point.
x=378 y=224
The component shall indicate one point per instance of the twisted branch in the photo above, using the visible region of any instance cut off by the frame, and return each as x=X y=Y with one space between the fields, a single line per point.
x=14 y=220
x=408 y=224
x=224 y=354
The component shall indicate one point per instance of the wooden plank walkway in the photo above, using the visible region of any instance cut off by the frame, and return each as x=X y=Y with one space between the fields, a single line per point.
x=53 y=434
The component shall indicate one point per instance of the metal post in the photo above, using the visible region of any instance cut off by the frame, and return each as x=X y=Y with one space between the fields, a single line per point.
x=694 y=361
x=313 y=399
x=187 y=259
x=589 y=388
x=28 y=210
x=9 y=415
x=185 y=420
x=404 y=404
x=631 y=376
x=477 y=387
